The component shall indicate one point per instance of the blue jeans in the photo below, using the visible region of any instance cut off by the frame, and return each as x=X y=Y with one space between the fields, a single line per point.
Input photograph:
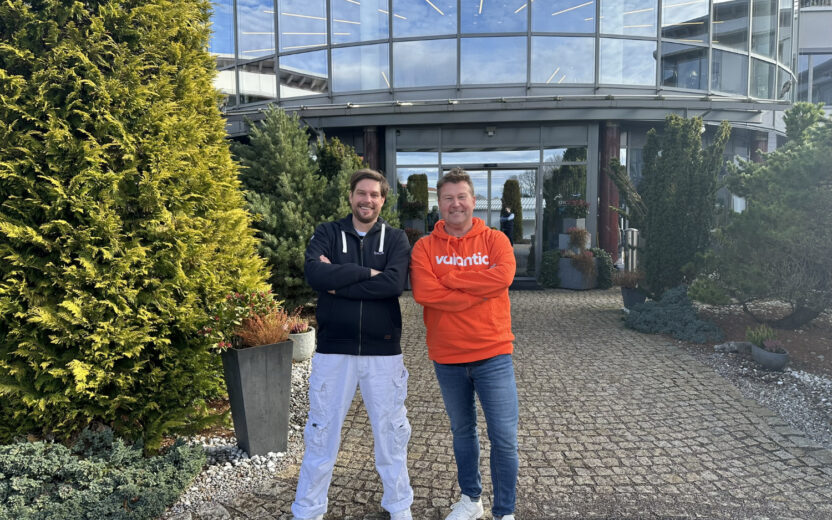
x=493 y=381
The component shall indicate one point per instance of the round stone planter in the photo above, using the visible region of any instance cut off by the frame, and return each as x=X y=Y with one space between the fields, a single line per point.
x=769 y=360
x=303 y=345
x=632 y=297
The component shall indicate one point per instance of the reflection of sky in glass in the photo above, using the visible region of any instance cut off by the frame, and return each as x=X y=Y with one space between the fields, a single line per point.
x=729 y=72
x=628 y=17
x=222 y=27
x=785 y=45
x=360 y=68
x=762 y=78
x=403 y=158
x=493 y=60
x=684 y=66
x=685 y=20
x=302 y=24
x=256 y=28
x=763 y=27
x=308 y=62
x=487 y=157
x=423 y=17
x=803 y=77
x=559 y=60
x=562 y=15
x=731 y=23
x=628 y=62
x=492 y=16
x=424 y=63
x=354 y=21
x=821 y=88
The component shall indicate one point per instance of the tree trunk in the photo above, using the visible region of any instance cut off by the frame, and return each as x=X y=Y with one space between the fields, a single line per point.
x=799 y=317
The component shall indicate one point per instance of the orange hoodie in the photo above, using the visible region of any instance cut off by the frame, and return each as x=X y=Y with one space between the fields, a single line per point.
x=463 y=285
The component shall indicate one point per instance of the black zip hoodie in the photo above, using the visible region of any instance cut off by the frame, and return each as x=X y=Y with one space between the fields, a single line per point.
x=363 y=317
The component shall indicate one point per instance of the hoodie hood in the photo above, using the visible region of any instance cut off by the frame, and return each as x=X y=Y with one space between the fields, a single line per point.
x=478 y=228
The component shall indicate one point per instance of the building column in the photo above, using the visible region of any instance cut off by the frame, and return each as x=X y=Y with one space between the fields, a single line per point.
x=607 y=191
x=759 y=146
x=371 y=147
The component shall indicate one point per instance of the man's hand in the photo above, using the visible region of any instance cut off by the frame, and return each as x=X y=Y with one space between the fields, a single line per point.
x=373 y=272
x=324 y=259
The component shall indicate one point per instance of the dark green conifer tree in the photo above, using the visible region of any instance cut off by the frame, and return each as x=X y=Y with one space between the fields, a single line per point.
x=512 y=199
x=121 y=217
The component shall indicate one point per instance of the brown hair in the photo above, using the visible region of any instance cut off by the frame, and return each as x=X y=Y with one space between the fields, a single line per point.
x=366 y=173
x=455 y=176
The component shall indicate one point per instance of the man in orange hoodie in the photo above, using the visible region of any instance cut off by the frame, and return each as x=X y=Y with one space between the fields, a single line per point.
x=460 y=274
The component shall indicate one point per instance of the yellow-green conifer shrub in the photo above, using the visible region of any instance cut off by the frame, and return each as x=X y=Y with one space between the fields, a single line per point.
x=121 y=216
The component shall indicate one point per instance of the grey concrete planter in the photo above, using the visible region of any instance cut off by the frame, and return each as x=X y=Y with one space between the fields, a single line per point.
x=769 y=360
x=573 y=222
x=632 y=297
x=259 y=382
x=571 y=278
x=303 y=345
x=563 y=242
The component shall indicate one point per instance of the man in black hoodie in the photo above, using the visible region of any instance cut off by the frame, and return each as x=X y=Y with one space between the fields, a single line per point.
x=358 y=265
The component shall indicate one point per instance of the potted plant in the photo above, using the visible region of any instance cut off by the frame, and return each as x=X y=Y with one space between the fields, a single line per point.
x=251 y=331
x=629 y=283
x=302 y=336
x=573 y=212
x=766 y=349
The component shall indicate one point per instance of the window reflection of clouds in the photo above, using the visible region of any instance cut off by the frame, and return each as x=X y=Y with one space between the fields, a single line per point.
x=424 y=63
x=730 y=27
x=404 y=158
x=423 y=17
x=493 y=60
x=303 y=74
x=562 y=60
x=354 y=21
x=763 y=27
x=729 y=72
x=685 y=20
x=222 y=27
x=562 y=16
x=302 y=24
x=628 y=62
x=628 y=17
x=498 y=156
x=360 y=68
x=492 y=16
x=255 y=19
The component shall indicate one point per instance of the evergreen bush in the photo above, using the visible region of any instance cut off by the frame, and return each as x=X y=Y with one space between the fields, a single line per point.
x=549 y=267
x=121 y=217
x=675 y=315
x=99 y=478
x=605 y=267
x=511 y=198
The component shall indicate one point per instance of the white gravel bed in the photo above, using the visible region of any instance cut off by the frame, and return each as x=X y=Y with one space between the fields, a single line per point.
x=229 y=471
x=801 y=399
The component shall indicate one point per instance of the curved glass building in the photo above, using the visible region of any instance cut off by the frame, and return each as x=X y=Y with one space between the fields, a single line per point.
x=511 y=88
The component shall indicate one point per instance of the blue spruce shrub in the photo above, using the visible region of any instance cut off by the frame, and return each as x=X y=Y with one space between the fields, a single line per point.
x=675 y=315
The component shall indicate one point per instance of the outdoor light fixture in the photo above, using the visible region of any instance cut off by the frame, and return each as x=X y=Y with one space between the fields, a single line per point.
x=490 y=131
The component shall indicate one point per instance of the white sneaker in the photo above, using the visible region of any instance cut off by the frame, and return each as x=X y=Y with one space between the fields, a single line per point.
x=404 y=514
x=466 y=509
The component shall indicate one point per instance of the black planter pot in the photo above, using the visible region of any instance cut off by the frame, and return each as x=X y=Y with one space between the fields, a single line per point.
x=259 y=382
x=632 y=297
x=769 y=360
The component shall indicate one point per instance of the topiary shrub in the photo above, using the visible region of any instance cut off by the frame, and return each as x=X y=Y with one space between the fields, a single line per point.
x=121 y=217
x=512 y=199
x=99 y=478
x=549 y=267
x=673 y=314
x=605 y=267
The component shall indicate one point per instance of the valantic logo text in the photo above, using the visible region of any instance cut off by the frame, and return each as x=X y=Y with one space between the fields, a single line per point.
x=475 y=259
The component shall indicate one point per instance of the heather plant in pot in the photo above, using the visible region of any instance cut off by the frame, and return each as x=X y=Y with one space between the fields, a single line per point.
x=766 y=349
x=302 y=335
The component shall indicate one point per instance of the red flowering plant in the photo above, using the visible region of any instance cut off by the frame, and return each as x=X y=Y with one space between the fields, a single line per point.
x=248 y=319
x=575 y=208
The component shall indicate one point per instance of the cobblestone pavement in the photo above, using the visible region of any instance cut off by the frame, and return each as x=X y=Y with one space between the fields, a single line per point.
x=613 y=424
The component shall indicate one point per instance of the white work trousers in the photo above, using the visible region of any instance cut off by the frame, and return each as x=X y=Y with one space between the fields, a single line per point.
x=332 y=384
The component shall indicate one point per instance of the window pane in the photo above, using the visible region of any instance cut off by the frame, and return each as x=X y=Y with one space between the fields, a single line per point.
x=226 y=83
x=255 y=22
x=628 y=17
x=784 y=53
x=729 y=73
x=222 y=26
x=423 y=18
x=731 y=23
x=404 y=158
x=257 y=81
x=763 y=27
x=822 y=78
x=488 y=61
x=803 y=77
x=354 y=21
x=563 y=16
x=628 y=62
x=563 y=60
x=360 y=68
x=412 y=59
x=685 y=20
x=303 y=74
x=483 y=157
x=493 y=16
x=402 y=174
x=302 y=24
x=684 y=66
x=762 y=79
x=784 y=87
x=555 y=157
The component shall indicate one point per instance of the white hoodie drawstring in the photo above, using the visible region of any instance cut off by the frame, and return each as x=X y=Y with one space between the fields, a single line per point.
x=381 y=244
x=343 y=242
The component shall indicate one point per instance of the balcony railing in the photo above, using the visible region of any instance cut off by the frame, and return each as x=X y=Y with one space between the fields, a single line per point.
x=815 y=3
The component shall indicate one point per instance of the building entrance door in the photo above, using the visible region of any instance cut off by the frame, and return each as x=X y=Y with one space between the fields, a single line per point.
x=493 y=191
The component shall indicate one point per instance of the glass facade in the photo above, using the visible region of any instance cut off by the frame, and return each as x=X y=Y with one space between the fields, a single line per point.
x=815 y=78
x=325 y=49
